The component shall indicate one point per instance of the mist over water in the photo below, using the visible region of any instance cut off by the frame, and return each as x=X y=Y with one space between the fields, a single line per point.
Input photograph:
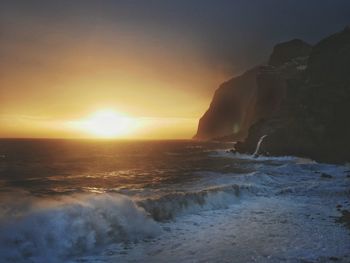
x=117 y=201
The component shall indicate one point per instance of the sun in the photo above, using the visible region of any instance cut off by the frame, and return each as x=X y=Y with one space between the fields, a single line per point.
x=107 y=124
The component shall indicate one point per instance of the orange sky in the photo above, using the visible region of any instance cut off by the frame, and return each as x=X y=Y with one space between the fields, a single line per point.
x=54 y=78
x=157 y=62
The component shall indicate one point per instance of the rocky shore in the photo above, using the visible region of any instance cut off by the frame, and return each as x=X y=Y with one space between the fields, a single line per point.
x=299 y=100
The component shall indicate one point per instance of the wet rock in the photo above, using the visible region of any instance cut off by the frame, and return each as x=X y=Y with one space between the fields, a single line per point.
x=287 y=51
x=328 y=176
x=344 y=218
x=167 y=229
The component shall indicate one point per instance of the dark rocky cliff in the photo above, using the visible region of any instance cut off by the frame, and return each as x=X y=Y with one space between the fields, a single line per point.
x=287 y=51
x=313 y=119
x=231 y=108
x=256 y=94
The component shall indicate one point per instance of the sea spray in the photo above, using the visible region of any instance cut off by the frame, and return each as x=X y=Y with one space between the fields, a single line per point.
x=73 y=226
x=256 y=153
x=169 y=206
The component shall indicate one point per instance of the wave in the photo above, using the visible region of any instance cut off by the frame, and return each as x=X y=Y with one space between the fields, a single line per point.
x=249 y=157
x=40 y=230
x=72 y=226
x=169 y=206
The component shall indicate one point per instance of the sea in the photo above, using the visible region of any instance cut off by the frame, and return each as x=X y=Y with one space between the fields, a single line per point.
x=167 y=201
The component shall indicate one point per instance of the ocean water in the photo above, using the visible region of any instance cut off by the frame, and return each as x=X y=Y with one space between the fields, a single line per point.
x=167 y=201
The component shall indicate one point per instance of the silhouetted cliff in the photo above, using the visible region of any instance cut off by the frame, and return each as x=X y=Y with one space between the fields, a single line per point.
x=287 y=51
x=300 y=100
x=256 y=94
x=231 y=108
x=313 y=119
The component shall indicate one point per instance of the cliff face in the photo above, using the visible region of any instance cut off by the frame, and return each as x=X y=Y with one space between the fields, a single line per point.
x=230 y=108
x=256 y=94
x=287 y=51
x=313 y=118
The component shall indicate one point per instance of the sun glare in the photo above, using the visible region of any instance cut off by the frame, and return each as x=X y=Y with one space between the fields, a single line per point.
x=107 y=124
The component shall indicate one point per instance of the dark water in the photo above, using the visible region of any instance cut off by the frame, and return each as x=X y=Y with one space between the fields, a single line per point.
x=46 y=167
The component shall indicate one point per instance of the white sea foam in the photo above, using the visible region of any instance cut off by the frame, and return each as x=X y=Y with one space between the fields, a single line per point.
x=258 y=146
x=71 y=226
x=37 y=230
x=179 y=203
x=291 y=218
x=241 y=156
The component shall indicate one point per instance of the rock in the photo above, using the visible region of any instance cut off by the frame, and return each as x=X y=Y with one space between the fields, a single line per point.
x=231 y=151
x=328 y=176
x=231 y=109
x=167 y=229
x=329 y=59
x=344 y=218
x=313 y=118
x=299 y=99
x=287 y=51
x=256 y=94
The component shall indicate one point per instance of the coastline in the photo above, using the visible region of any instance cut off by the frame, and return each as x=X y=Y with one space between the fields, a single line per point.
x=276 y=209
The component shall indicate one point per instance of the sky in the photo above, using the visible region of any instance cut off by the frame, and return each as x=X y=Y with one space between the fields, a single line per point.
x=154 y=63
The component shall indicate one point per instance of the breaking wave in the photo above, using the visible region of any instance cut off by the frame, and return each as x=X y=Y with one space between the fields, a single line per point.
x=40 y=230
x=169 y=206
x=72 y=226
